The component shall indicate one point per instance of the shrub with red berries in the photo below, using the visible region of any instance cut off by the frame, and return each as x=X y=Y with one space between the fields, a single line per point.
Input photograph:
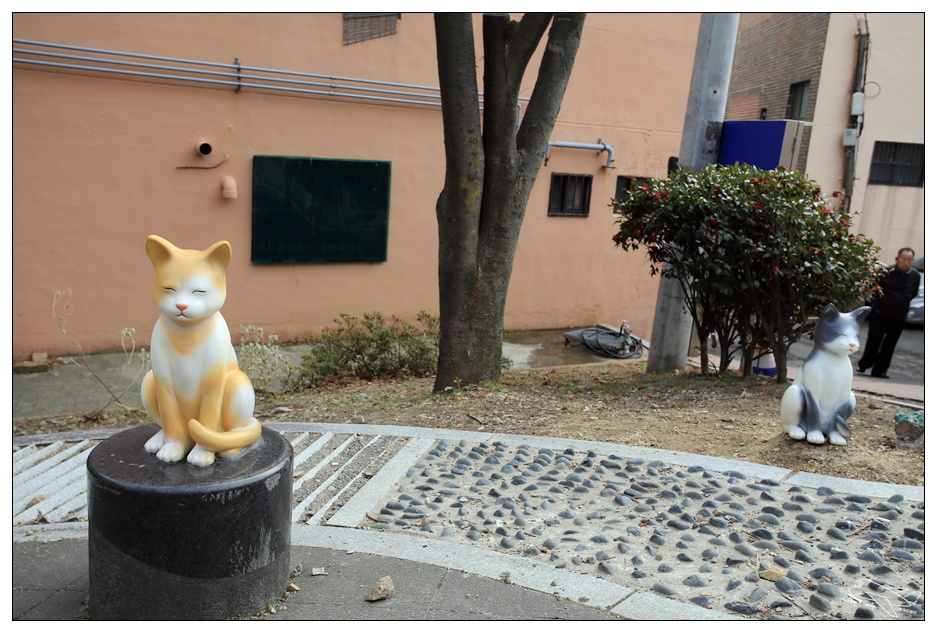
x=758 y=252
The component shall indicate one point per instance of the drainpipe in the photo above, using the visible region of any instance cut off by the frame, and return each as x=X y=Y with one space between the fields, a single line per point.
x=856 y=120
x=599 y=147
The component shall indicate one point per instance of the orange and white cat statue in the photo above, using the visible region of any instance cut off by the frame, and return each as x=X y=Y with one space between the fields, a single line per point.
x=195 y=391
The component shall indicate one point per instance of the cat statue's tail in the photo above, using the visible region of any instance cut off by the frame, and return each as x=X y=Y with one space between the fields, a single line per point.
x=226 y=440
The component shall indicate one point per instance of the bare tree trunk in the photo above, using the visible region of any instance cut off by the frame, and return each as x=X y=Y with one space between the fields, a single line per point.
x=489 y=175
x=725 y=359
x=780 y=351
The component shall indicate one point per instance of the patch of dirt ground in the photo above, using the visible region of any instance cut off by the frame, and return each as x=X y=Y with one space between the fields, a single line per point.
x=616 y=402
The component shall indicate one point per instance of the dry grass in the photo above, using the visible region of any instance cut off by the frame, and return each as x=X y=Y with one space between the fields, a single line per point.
x=612 y=402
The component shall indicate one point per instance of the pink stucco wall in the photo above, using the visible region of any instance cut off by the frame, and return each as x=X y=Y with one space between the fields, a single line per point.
x=96 y=168
x=894 y=112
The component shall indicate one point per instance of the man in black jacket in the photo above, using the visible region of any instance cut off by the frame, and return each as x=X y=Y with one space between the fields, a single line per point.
x=888 y=314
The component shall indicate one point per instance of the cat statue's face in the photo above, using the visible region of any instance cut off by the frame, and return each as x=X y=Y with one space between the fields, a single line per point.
x=189 y=285
x=838 y=332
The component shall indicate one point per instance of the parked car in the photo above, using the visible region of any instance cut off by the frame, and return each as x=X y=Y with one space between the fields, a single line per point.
x=916 y=314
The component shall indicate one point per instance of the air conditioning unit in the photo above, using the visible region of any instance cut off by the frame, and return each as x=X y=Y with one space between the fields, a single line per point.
x=762 y=144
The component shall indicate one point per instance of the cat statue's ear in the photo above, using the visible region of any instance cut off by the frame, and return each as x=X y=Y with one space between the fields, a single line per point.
x=860 y=313
x=159 y=250
x=219 y=254
x=828 y=310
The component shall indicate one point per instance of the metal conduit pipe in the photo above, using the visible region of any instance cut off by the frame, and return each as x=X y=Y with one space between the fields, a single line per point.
x=233 y=83
x=236 y=78
x=235 y=75
x=599 y=147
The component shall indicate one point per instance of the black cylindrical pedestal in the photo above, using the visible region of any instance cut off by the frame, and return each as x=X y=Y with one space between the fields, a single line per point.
x=174 y=541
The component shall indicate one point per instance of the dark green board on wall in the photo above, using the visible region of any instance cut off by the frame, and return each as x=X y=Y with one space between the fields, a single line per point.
x=318 y=210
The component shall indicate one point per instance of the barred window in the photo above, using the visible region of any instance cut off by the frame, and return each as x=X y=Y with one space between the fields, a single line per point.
x=897 y=164
x=359 y=27
x=570 y=195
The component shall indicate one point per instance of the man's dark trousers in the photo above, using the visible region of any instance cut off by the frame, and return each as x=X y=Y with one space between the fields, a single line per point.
x=883 y=333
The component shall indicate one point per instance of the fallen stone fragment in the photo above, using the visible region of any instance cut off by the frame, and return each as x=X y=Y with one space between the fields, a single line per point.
x=772 y=574
x=383 y=589
x=318 y=570
x=909 y=426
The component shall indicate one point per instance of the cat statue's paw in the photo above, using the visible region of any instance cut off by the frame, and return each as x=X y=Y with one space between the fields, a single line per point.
x=837 y=439
x=796 y=433
x=172 y=452
x=155 y=442
x=816 y=437
x=200 y=457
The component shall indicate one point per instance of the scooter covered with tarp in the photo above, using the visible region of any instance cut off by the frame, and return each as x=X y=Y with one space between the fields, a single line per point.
x=620 y=344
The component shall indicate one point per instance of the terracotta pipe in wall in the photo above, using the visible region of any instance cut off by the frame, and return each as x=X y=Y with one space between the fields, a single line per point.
x=228 y=187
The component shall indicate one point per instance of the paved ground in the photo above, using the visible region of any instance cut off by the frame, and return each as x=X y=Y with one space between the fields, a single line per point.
x=486 y=526
x=372 y=500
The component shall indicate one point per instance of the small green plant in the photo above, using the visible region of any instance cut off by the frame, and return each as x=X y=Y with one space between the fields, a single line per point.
x=371 y=347
x=85 y=613
x=263 y=360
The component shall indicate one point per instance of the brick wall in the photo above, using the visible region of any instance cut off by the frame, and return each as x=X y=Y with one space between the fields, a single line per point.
x=774 y=51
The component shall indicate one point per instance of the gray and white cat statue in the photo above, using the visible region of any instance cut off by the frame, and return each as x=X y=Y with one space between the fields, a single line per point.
x=820 y=400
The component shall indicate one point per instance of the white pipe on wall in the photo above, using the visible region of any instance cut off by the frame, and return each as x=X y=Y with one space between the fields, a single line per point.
x=234 y=75
x=599 y=147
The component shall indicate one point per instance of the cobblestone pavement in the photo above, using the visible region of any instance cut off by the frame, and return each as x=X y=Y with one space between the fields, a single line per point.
x=639 y=532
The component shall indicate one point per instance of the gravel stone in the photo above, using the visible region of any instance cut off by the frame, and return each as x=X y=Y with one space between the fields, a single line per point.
x=788 y=586
x=664 y=589
x=819 y=603
x=581 y=507
x=863 y=612
x=742 y=608
x=757 y=594
x=695 y=581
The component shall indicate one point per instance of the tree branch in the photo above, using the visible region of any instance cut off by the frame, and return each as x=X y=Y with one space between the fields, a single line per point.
x=525 y=39
x=508 y=48
x=554 y=72
x=500 y=86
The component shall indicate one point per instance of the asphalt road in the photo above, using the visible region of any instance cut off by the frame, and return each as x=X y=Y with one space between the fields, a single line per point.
x=906 y=366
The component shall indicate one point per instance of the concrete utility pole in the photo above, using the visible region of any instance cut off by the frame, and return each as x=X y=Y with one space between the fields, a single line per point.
x=705 y=113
